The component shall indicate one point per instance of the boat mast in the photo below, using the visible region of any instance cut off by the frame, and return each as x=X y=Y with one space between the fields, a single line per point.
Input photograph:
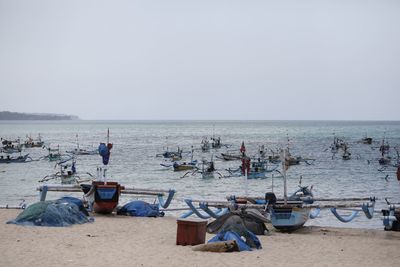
x=284 y=166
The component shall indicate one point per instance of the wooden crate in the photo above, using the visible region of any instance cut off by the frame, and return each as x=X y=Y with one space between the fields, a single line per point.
x=191 y=232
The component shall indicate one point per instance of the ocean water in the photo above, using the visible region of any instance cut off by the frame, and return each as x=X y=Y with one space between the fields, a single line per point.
x=136 y=143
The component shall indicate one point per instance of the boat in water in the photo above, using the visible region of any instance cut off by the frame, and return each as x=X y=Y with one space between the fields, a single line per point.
x=184 y=166
x=81 y=151
x=31 y=142
x=11 y=146
x=13 y=159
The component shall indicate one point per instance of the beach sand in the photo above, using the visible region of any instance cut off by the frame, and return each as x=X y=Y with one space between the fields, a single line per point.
x=128 y=241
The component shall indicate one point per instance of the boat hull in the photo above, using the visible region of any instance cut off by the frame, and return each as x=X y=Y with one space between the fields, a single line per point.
x=289 y=219
x=106 y=196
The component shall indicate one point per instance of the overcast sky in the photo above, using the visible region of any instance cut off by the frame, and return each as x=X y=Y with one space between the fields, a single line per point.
x=168 y=59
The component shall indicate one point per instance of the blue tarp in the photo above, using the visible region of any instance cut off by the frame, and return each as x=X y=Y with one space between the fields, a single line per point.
x=243 y=245
x=104 y=153
x=63 y=212
x=140 y=209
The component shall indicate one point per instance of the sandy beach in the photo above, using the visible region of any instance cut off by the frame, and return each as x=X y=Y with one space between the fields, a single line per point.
x=128 y=241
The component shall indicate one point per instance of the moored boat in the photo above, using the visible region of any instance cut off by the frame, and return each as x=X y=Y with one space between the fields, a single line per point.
x=18 y=159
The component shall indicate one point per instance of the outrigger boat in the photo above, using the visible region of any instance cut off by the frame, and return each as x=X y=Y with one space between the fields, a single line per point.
x=366 y=140
x=205 y=145
x=384 y=148
x=185 y=166
x=54 y=154
x=230 y=157
x=67 y=173
x=11 y=147
x=385 y=159
x=346 y=154
x=81 y=151
x=337 y=144
x=252 y=169
x=288 y=214
x=391 y=217
x=173 y=155
x=19 y=159
x=30 y=142
x=207 y=170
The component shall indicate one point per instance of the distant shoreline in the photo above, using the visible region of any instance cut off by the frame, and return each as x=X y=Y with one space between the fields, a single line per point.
x=17 y=116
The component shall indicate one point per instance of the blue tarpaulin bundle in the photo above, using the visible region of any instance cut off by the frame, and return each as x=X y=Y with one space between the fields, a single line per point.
x=140 y=209
x=104 y=151
x=245 y=239
x=58 y=213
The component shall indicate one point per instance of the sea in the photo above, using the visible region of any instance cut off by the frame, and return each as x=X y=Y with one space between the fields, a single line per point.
x=134 y=162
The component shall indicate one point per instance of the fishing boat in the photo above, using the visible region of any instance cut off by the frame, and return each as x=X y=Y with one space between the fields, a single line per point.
x=81 y=151
x=391 y=216
x=384 y=159
x=207 y=170
x=216 y=142
x=184 y=166
x=13 y=159
x=366 y=140
x=54 y=154
x=337 y=144
x=384 y=147
x=346 y=154
x=67 y=173
x=173 y=155
x=11 y=146
x=230 y=157
x=205 y=145
x=30 y=142
x=253 y=169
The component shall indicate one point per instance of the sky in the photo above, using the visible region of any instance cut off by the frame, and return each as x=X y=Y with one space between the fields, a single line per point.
x=202 y=60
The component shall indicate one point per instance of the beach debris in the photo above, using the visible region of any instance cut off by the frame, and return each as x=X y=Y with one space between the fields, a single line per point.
x=222 y=246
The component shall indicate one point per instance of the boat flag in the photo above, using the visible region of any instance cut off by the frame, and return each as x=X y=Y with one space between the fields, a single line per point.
x=104 y=153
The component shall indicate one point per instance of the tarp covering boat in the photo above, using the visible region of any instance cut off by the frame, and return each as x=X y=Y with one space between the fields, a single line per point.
x=251 y=220
x=58 y=213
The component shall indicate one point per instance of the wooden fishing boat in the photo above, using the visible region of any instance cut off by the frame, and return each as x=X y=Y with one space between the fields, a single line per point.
x=10 y=147
x=11 y=159
x=230 y=157
x=106 y=196
x=346 y=154
x=67 y=173
x=366 y=140
x=207 y=170
x=184 y=166
x=205 y=145
x=81 y=151
x=30 y=142
x=54 y=154
x=257 y=169
x=216 y=142
x=385 y=159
